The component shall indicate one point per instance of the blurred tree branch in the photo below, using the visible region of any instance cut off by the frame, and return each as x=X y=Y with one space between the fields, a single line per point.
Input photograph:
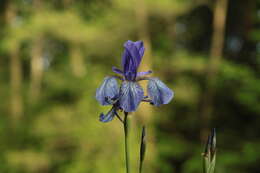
x=217 y=44
x=76 y=59
x=36 y=60
x=16 y=104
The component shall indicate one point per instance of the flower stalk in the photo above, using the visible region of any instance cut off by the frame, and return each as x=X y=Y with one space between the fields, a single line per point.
x=142 y=149
x=126 y=131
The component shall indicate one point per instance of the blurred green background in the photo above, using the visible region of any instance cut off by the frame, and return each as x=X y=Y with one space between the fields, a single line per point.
x=55 y=53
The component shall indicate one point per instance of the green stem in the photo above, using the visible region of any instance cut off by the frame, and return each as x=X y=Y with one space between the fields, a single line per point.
x=141 y=167
x=142 y=149
x=126 y=130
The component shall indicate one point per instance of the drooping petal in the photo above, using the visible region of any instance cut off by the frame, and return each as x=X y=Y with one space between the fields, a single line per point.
x=118 y=71
x=158 y=92
x=131 y=94
x=140 y=74
x=108 y=91
x=108 y=117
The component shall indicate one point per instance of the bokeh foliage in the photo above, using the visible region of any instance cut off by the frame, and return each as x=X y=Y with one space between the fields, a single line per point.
x=77 y=43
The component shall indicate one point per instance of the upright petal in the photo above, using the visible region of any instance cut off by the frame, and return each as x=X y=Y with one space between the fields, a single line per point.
x=140 y=47
x=136 y=51
x=131 y=94
x=108 y=117
x=158 y=92
x=108 y=91
x=129 y=66
x=132 y=57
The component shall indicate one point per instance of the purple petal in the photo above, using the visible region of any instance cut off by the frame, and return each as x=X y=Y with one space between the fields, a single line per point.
x=108 y=117
x=129 y=66
x=131 y=94
x=140 y=46
x=125 y=60
x=139 y=74
x=108 y=91
x=136 y=51
x=118 y=71
x=158 y=92
x=132 y=57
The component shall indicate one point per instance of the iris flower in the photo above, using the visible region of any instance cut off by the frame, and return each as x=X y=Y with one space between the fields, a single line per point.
x=128 y=96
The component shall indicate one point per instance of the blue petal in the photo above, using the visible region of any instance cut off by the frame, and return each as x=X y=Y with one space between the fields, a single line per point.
x=108 y=91
x=108 y=117
x=158 y=92
x=131 y=94
x=139 y=74
x=118 y=71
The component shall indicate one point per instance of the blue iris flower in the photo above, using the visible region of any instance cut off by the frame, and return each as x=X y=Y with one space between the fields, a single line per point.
x=128 y=96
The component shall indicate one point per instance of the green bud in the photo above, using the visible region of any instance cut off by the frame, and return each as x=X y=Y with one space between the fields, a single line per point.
x=142 y=149
x=209 y=156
